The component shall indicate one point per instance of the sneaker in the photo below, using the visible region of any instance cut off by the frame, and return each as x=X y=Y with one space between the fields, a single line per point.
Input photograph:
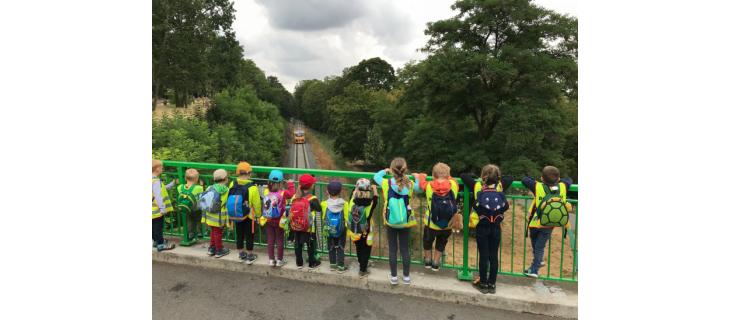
x=482 y=287
x=272 y=263
x=406 y=280
x=341 y=269
x=154 y=244
x=427 y=264
x=491 y=288
x=542 y=263
x=222 y=252
x=530 y=274
x=393 y=280
x=165 y=246
x=333 y=267
x=211 y=251
x=315 y=265
x=250 y=258
x=300 y=267
x=243 y=255
x=280 y=263
x=363 y=274
x=435 y=267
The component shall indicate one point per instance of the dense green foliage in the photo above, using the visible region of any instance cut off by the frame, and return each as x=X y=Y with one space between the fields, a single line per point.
x=499 y=85
x=195 y=53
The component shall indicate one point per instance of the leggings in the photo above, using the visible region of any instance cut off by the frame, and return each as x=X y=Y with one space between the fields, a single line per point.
x=488 y=237
x=274 y=237
x=216 y=238
x=363 y=252
x=243 y=231
x=398 y=239
x=157 y=226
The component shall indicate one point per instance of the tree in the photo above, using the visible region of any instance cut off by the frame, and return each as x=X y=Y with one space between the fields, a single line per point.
x=374 y=73
x=374 y=148
x=350 y=120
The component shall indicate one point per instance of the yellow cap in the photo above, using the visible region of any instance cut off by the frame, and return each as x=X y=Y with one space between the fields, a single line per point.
x=243 y=167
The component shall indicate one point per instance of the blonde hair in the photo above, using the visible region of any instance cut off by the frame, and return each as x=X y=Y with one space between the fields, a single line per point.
x=441 y=170
x=156 y=164
x=360 y=194
x=220 y=175
x=399 y=169
x=490 y=174
x=191 y=175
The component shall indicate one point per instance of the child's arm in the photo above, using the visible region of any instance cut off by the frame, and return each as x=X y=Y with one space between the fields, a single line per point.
x=255 y=198
x=171 y=184
x=529 y=184
x=567 y=181
x=468 y=179
x=420 y=185
x=378 y=178
x=289 y=192
x=507 y=182
x=157 y=191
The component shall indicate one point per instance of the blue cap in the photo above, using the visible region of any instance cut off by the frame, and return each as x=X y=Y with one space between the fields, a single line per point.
x=276 y=176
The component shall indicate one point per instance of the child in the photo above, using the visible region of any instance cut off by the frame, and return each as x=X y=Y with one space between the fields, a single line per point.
x=539 y=234
x=490 y=203
x=441 y=194
x=363 y=201
x=397 y=215
x=243 y=206
x=187 y=201
x=215 y=216
x=274 y=206
x=333 y=215
x=304 y=206
x=161 y=205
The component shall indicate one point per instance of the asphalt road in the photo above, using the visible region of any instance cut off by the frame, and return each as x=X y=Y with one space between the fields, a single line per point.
x=185 y=292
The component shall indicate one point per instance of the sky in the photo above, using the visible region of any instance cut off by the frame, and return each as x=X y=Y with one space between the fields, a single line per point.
x=309 y=39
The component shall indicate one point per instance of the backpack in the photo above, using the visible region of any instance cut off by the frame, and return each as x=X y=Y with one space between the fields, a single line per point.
x=358 y=220
x=490 y=204
x=271 y=209
x=398 y=211
x=186 y=201
x=237 y=204
x=442 y=209
x=300 y=214
x=210 y=201
x=552 y=209
x=334 y=224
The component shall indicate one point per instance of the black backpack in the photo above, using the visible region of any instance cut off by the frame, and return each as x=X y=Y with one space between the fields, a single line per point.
x=443 y=209
x=490 y=205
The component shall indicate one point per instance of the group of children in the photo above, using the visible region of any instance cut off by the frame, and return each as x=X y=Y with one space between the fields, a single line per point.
x=238 y=205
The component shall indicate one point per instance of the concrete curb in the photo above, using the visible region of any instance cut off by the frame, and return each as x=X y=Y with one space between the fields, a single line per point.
x=537 y=299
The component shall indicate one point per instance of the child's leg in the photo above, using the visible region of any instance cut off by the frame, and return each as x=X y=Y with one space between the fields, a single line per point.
x=331 y=247
x=482 y=247
x=279 y=236
x=311 y=248
x=494 y=238
x=541 y=237
x=404 y=252
x=157 y=225
x=442 y=238
x=360 y=249
x=216 y=236
x=427 y=244
x=248 y=234
x=212 y=238
x=341 y=250
x=393 y=251
x=270 y=238
x=298 y=247
x=239 y=235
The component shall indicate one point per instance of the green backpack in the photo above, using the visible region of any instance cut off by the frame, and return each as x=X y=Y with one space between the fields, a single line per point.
x=186 y=201
x=552 y=209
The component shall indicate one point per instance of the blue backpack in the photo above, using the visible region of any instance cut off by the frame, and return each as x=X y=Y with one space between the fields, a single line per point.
x=335 y=225
x=491 y=205
x=237 y=204
x=210 y=201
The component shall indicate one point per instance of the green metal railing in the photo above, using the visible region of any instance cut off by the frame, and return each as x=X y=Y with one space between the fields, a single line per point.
x=461 y=255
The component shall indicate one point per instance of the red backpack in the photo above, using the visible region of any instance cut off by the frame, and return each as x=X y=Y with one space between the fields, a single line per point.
x=300 y=214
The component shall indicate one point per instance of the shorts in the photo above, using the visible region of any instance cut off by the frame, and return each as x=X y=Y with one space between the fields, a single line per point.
x=441 y=237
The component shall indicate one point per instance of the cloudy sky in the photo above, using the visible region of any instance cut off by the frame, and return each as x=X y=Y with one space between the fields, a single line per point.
x=310 y=39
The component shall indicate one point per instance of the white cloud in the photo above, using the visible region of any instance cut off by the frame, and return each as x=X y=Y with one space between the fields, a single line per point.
x=307 y=39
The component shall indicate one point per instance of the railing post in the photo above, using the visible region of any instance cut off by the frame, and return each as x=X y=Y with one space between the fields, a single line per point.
x=464 y=274
x=186 y=241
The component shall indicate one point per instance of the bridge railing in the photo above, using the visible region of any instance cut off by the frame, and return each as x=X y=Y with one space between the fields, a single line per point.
x=461 y=254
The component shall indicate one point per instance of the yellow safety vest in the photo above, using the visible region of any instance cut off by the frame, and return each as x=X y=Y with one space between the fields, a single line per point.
x=345 y=214
x=411 y=220
x=217 y=219
x=539 y=195
x=156 y=213
x=351 y=204
x=473 y=216
x=429 y=195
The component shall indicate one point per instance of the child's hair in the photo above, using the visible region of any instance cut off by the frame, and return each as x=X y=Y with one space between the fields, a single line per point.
x=441 y=170
x=550 y=174
x=156 y=164
x=191 y=175
x=399 y=169
x=220 y=175
x=360 y=194
x=490 y=174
